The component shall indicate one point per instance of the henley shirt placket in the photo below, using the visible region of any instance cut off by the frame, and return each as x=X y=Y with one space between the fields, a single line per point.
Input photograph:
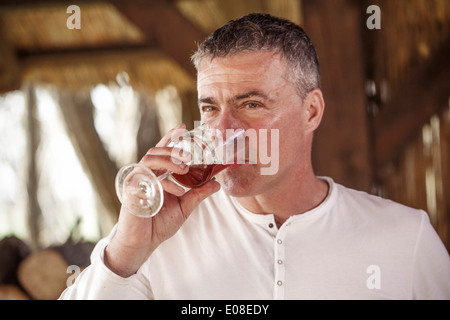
x=279 y=262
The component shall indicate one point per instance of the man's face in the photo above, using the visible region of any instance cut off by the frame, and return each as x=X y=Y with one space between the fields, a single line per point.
x=252 y=91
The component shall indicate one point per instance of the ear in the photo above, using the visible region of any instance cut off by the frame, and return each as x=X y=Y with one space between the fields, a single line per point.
x=314 y=106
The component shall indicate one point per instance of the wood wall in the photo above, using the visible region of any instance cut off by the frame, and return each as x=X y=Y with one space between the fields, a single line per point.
x=420 y=177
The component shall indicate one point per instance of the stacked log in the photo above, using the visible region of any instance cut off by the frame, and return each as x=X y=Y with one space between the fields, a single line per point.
x=12 y=252
x=42 y=274
x=12 y=292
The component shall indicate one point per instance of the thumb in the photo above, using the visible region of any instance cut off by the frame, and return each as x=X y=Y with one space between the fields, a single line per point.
x=193 y=197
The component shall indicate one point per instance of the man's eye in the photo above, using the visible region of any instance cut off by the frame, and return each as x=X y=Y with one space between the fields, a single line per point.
x=252 y=105
x=208 y=108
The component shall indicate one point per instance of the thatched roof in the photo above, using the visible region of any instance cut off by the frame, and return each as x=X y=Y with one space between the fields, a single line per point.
x=108 y=42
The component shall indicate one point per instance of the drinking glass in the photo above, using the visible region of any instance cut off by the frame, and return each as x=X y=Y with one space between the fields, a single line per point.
x=139 y=189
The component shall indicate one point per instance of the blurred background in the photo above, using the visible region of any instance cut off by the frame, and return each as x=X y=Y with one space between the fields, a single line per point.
x=77 y=104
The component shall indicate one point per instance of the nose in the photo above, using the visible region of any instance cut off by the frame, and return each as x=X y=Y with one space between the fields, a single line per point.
x=228 y=138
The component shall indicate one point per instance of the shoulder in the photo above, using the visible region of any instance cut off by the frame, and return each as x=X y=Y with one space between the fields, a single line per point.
x=377 y=208
x=378 y=218
x=397 y=238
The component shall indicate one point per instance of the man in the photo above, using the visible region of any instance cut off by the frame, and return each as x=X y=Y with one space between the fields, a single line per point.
x=288 y=235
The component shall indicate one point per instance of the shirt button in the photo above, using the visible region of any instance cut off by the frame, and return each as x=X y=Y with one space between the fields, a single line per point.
x=279 y=283
x=279 y=241
x=270 y=225
x=280 y=261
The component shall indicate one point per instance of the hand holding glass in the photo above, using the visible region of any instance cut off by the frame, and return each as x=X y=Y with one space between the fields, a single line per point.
x=139 y=189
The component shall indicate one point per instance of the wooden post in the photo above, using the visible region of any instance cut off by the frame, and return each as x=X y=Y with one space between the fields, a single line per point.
x=77 y=110
x=148 y=133
x=10 y=69
x=341 y=146
x=34 y=209
x=411 y=106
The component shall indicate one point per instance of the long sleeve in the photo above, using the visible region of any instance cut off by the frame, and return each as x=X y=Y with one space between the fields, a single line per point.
x=99 y=283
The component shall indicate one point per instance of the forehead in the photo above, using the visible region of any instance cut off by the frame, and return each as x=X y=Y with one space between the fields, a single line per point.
x=243 y=69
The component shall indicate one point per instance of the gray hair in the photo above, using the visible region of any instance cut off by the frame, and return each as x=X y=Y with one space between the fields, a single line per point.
x=255 y=32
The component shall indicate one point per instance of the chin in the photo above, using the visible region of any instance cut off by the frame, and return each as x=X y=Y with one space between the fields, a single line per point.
x=239 y=185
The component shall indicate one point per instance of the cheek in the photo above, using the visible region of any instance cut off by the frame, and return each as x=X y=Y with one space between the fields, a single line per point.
x=276 y=134
x=293 y=140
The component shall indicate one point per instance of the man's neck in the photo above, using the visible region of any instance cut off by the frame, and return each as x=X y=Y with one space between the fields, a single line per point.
x=297 y=196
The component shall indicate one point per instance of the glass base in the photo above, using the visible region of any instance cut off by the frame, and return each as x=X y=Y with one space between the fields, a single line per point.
x=139 y=190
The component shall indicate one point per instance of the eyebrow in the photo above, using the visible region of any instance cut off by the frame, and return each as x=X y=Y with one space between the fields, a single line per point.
x=207 y=100
x=242 y=96
x=250 y=94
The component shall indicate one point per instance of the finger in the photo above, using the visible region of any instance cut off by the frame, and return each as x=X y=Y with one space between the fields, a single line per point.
x=172 y=187
x=177 y=131
x=193 y=197
x=178 y=155
x=164 y=163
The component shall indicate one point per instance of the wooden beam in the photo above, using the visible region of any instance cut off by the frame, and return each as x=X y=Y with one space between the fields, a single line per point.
x=411 y=106
x=162 y=22
x=103 y=61
x=341 y=143
x=103 y=54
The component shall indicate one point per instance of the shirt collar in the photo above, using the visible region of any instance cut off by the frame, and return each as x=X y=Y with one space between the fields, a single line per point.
x=314 y=213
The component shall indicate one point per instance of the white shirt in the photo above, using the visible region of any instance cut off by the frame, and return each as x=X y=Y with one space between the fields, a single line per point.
x=352 y=246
